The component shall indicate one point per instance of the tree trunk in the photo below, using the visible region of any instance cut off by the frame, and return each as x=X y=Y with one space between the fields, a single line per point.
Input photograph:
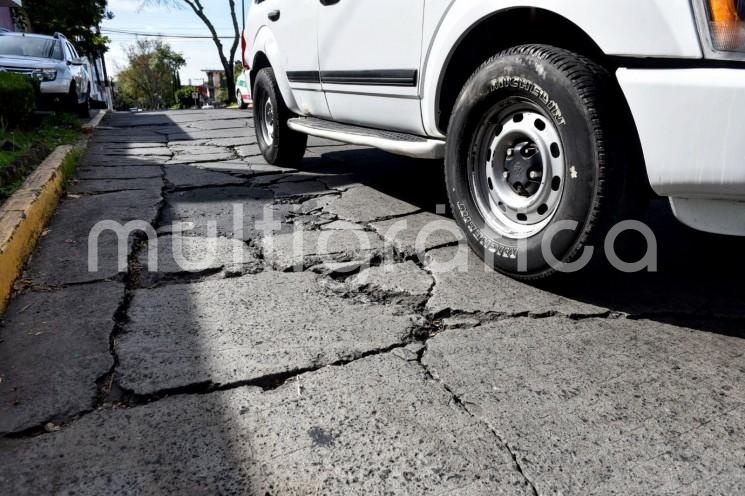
x=196 y=6
x=230 y=81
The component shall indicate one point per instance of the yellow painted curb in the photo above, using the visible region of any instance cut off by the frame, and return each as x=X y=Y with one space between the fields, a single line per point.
x=25 y=214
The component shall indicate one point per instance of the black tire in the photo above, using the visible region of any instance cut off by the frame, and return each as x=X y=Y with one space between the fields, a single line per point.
x=239 y=98
x=75 y=106
x=575 y=96
x=83 y=108
x=279 y=144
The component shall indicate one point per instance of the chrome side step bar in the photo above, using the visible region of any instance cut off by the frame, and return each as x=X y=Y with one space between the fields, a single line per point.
x=398 y=143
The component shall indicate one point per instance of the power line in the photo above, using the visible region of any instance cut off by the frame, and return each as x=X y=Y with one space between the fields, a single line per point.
x=162 y=35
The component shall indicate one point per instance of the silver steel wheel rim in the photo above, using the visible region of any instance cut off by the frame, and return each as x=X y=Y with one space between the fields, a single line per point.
x=518 y=178
x=267 y=125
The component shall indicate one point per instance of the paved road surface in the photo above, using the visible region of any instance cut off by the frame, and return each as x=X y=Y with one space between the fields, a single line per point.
x=341 y=359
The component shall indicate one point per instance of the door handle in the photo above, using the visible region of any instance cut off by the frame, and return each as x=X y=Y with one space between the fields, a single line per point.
x=329 y=2
x=273 y=15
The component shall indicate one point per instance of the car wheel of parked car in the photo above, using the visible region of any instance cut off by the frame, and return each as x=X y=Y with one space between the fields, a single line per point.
x=278 y=143
x=84 y=108
x=239 y=98
x=532 y=168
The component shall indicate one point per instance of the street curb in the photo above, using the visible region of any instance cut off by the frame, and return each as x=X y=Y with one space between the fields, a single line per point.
x=25 y=214
x=94 y=123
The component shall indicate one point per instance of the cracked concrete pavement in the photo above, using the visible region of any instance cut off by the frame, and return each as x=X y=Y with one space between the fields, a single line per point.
x=217 y=355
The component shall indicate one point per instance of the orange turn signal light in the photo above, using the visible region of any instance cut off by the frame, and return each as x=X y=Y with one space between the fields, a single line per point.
x=727 y=27
x=724 y=11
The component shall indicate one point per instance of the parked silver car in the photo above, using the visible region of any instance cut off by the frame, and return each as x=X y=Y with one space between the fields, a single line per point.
x=54 y=62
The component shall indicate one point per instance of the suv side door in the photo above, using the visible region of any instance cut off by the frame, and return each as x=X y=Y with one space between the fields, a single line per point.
x=370 y=61
x=77 y=71
x=293 y=24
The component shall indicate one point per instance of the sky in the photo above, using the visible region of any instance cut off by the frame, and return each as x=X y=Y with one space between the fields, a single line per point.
x=129 y=15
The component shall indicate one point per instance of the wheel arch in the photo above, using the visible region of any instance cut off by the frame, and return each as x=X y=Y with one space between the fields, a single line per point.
x=496 y=32
x=507 y=28
x=266 y=53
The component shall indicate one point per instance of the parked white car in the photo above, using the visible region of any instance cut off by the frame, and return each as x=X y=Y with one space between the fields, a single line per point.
x=242 y=91
x=52 y=60
x=553 y=117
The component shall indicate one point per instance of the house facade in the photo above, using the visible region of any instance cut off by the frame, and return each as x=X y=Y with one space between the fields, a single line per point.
x=214 y=82
x=6 y=17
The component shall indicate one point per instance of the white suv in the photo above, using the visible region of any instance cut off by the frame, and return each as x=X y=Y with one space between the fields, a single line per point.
x=52 y=60
x=554 y=117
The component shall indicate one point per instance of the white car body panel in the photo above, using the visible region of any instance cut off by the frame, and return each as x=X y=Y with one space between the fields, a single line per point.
x=370 y=35
x=692 y=129
x=636 y=28
x=690 y=121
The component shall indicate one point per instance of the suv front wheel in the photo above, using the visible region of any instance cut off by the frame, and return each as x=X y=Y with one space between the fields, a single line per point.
x=279 y=144
x=533 y=168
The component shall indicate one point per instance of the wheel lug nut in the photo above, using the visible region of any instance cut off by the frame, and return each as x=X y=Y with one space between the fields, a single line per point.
x=510 y=152
x=506 y=175
x=535 y=175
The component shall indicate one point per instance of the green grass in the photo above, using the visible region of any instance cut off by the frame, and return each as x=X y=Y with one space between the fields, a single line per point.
x=50 y=131
x=70 y=164
x=8 y=189
x=63 y=129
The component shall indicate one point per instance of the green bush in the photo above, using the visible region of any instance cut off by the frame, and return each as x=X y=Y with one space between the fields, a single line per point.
x=184 y=97
x=17 y=99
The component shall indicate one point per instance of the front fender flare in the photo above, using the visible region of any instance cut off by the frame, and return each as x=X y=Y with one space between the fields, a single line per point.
x=265 y=43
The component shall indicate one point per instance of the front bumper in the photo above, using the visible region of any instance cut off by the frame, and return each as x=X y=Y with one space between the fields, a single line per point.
x=691 y=123
x=60 y=86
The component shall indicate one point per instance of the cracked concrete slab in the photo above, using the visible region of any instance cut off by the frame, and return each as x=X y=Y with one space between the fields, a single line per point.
x=223 y=123
x=192 y=157
x=300 y=439
x=124 y=172
x=220 y=210
x=614 y=399
x=55 y=345
x=464 y=284
x=185 y=134
x=396 y=278
x=306 y=248
x=185 y=176
x=417 y=233
x=191 y=148
x=161 y=151
x=187 y=254
x=238 y=330
x=248 y=150
x=95 y=186
x=107 y=161
x=342 y=225
x=228 y=167
x=62 y=256
x=229 y=142
x=365 y=204
x=106 y=136
x=288 y=189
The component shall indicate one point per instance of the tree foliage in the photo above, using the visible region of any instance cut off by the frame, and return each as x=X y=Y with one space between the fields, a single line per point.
x=226 y=59
x=151 y=78
x=77 y=19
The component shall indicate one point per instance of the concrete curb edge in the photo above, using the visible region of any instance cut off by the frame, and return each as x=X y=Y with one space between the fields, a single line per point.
x=25 y=214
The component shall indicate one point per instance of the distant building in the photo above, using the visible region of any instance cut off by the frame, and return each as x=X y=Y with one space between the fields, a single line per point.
x=6 y=17
x=214 y=82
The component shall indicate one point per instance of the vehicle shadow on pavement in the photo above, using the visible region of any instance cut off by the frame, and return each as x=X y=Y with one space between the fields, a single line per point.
x=698 y=279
